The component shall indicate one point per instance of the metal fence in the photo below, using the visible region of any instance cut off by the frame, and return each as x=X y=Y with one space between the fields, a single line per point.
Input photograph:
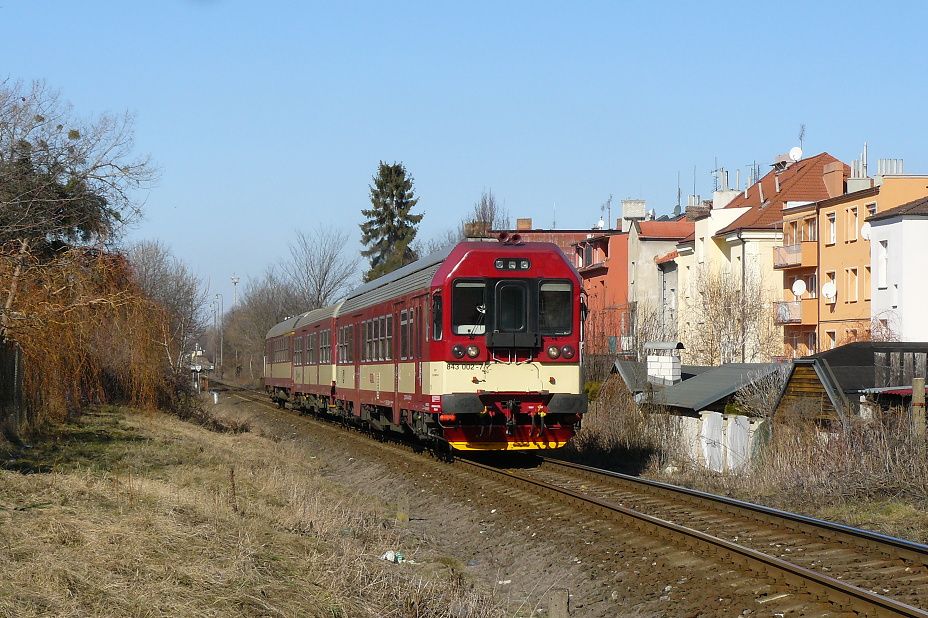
x=11 y=383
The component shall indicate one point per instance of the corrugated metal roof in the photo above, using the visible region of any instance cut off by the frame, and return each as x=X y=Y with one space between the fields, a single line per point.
x=317 y=314
x=284 y=327
x=712 y=385
x=411 y=277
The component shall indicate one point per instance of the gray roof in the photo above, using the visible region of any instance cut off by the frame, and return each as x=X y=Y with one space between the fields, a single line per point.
x=411 y=277
x=284 y=327
x=317 y=314
x=712 y=385
x=635 y=374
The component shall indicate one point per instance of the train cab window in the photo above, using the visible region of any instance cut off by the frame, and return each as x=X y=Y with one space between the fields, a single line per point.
x=511 y=306
x=469 y=308
x=555 y=316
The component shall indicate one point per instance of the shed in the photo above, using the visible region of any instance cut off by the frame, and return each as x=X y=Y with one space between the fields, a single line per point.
x=828 y=385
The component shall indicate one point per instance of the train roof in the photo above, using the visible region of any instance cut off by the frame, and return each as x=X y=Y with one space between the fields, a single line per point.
x=316 y=314
x=285 y=326
x=411 y=277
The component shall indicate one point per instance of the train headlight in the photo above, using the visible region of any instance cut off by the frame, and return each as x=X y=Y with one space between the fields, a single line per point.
x=473 y=351
x=567 y=351
x=458 y=351
x=553 y=351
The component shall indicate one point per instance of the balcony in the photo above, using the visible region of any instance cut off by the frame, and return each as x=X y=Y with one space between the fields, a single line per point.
x=803 y=312
x=800 y=255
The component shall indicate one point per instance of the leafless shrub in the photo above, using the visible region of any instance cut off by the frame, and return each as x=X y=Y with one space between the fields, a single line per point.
x=759 y=398
x=618 y=433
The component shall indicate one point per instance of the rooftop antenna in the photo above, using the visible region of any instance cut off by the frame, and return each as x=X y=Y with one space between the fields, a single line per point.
x=554 y=221
x=802 y=134
x=694 y=180
x=676 y=211
x=606 y=211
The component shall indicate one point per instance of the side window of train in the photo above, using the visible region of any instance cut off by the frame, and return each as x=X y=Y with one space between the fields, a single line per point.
x=436 y=316
x=404 y=335
x=555 y=313
x=389 y=338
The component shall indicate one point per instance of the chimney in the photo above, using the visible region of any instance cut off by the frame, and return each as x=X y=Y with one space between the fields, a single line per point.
x=663 y=362
x=833 y=177
x=523 y=225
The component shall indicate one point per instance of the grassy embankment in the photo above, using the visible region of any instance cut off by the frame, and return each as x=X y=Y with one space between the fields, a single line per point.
x=143 y=514
x=871 y=474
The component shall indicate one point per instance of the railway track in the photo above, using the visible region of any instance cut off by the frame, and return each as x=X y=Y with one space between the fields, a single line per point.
x=856 y=572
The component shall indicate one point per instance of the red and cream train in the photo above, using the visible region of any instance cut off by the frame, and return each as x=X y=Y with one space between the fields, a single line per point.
x=476 y=347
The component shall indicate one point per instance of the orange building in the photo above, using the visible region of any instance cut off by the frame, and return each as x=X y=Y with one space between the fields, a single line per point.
x=825 y=259
x=603 y=265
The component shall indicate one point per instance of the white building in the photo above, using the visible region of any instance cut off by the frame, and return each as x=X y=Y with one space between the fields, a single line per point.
x=899 y=261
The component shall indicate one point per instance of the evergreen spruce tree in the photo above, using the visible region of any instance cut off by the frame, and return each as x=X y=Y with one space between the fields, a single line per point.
x=390 y=227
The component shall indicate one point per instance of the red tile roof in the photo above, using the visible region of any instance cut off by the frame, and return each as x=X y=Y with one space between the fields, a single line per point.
x=667 y=257
x=671 y=230
x=802 y=181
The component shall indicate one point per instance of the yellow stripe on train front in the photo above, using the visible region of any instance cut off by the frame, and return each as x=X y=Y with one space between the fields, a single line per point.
x=506 y=446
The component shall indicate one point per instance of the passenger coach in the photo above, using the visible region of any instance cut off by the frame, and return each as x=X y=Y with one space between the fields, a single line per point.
x=477 y=347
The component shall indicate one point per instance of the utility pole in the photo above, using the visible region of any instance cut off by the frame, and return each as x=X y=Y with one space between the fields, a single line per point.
x=235 y=280
x=219 y=301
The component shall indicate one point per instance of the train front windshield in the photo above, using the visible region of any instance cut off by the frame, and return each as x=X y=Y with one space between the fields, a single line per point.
x=512 y=306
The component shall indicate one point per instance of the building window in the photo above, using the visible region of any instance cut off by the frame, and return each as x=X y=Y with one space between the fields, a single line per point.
x=811 y=342
x=895 y=299
x=830 y=277
x=882 y=263
x=832 y=338
x=851 y=335
x=850 y=284
x=871 y=210
x=631 y=274
x=852 y=224
x=866 y=283
x=701 y=249
x=832 y=228
x=811 y=229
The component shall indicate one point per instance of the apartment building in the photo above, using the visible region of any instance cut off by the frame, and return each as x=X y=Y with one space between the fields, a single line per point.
x=602 y=259
x=732 y=249
x=899 y=257
x=826 y=259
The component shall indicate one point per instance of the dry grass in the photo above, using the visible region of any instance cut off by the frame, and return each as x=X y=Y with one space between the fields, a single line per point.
x=148 y=515
x=871 y=474
x=617 y=434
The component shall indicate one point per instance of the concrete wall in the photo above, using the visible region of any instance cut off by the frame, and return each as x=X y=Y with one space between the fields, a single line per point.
x=721 y=443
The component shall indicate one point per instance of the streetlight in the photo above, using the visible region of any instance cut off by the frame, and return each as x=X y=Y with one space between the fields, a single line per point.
x=219 y=301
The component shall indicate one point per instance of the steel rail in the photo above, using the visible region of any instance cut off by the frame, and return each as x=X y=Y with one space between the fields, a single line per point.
x=818 y=585
x=894 y=546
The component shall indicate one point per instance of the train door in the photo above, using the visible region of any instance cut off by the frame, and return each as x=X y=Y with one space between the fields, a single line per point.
x=395 y=340
x=358 y=339
x=417 y=336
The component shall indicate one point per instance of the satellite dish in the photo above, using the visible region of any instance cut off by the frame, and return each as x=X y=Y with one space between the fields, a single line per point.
x=865 y=230
x=799 y=287
x=795 y=153
x=829 y=290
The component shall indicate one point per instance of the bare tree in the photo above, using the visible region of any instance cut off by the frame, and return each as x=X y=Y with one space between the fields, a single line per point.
x=63 y=180
x=264 y=302
x=733 y=319
x=489 y=212
x=319 y=269
x=168 y=282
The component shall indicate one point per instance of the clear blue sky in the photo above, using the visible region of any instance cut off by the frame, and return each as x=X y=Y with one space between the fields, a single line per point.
x=269 y=116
